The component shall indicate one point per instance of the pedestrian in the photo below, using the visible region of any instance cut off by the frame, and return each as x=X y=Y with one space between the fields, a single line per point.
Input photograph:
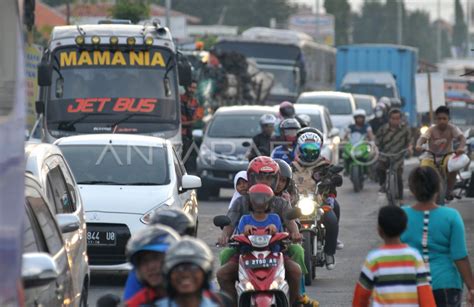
x=190 y=114
x=393 y=274
x=437 y=232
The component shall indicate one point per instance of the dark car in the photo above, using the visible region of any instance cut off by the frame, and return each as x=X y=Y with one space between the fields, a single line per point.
x=223 y=151
x=46 y=271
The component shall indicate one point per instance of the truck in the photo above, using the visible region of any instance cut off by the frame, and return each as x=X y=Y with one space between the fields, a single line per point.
x=110 y=78
x=380 y=70
x=296 y=62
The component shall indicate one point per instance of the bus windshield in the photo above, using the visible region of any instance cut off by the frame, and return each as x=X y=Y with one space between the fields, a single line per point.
x=285 y=79
x=124 y=92
x=377 y=90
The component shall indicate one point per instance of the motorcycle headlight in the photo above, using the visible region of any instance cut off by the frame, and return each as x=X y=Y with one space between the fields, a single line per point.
x=423 y=129
x=306 y=205
x=145 y=219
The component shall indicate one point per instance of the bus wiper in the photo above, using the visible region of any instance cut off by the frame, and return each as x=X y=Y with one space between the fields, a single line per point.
x=92 y=182
x=69 y=126
x=127 y=117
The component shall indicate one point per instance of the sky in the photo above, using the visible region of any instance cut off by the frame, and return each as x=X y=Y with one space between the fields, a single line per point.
x=447 y=6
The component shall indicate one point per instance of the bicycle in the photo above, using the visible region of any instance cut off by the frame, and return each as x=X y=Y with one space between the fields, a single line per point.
x=439 y=161
x=391 y=182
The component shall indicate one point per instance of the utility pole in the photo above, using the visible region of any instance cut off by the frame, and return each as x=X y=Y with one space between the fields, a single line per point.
x=438 y=34
x=168 y=12
x=317 y=20
x=468 y=22
x=399 y=22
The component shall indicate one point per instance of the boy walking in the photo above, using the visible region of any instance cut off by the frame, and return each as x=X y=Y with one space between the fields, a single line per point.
x=393 y=274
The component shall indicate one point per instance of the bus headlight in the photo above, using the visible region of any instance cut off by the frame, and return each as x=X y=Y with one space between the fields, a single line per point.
x=149 y=41
x=79 y=40
x=131 y=41
x=113 y=40
x=95 y=40
x=306 y=205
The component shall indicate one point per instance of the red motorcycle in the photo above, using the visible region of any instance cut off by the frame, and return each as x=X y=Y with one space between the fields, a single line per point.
x=261 y=272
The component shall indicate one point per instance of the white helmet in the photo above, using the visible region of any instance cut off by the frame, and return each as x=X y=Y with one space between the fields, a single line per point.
x=359 y=112
x=458 y=162
x=268 y=119
x=386 y=101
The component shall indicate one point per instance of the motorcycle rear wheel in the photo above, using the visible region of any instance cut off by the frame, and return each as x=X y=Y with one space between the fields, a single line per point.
x=308 y=257
x=392 y=190
x=356 y=178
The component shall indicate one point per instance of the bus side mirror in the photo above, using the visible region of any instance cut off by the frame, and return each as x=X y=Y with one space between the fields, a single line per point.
x=184 y=72
x=45 y=72
x=39 y=106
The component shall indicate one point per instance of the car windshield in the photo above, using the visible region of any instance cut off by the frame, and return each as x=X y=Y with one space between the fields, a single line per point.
x=118 y=164
x=365 y=104
x=335 y=105
x=235 y=125
x=92 y=90
x=377 y=90
x=315 y=120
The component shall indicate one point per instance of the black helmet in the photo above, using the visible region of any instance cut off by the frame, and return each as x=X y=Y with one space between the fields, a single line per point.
x=189 y=250
x=313 y=130
x=155 y=238
x=179 y=220
x=285 y=168
x=287 y=109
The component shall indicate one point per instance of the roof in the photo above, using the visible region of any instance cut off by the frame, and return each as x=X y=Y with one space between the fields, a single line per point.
x=104 y=10
x=113 y=139
x=48 y=16
x=391 y=46
x=246 y=109
x=325 y=94
x=309 y=108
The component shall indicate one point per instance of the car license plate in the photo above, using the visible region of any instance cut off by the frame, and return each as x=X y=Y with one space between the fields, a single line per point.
x=261 y=263
x=101 y=238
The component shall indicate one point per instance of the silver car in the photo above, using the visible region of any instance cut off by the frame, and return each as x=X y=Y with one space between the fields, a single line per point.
x=47 y=164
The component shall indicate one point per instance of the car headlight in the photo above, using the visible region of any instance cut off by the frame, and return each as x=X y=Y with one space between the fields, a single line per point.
x=145 y=219
x=306 y=205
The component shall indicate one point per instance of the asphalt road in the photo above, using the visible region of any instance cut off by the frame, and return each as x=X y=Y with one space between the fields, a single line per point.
x=358 y=232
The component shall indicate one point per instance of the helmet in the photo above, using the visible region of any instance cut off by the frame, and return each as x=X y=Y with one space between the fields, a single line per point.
x=379 y=110
x=155 y=238
x=286 y=128
x=268 y=119
x=308 y=147
x=189 y=250
x=260 y=195
x=458 y=162
x=287 y=109
x=311 y=129
x=386 y=101
x=263 y=169
x=304 y=120
x=285 y=171
x=359 y=112
x=178 y=220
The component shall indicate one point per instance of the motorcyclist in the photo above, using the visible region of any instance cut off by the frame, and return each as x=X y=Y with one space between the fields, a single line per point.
x=287 y=110
x=146 y=251
x=262 y=170
x=179 y=221
x=440 y=139
x=381 y=115
x=289 y=128
x=187 y=270
x=286 y=186
x=359 y=127
x=308 y=167
x=262 y=142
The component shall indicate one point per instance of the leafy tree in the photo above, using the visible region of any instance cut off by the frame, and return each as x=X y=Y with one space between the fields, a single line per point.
x=128 y=9
x=460 y=27
x=342 y=13
x=368 y=25
x=422 y=35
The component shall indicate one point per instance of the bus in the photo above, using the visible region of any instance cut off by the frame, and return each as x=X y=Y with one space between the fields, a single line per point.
x=110 y=78
x=12 y=136
x=295 y=60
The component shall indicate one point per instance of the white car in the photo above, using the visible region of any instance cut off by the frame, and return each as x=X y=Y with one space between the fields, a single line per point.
x=341 y=106
x=123 y=180
x=321 y=120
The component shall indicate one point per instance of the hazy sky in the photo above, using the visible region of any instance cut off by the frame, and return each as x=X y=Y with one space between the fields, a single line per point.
x=447 y=6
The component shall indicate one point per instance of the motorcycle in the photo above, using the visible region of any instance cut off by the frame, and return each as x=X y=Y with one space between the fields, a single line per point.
x=261 y=272
x=464 y=184
x=357 y=152
x=313 y=206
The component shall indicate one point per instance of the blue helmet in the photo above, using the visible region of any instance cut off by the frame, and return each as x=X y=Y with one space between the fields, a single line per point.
x=155 y=238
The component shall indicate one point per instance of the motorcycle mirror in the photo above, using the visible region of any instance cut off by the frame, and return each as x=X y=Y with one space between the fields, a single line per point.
x=108 y=300
x=335 y=169
x=293 y=214
x=221 y=221
x=336 y=181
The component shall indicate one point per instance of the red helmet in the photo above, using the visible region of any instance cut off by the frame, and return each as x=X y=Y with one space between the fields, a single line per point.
x=260 y=196
x=263 y=170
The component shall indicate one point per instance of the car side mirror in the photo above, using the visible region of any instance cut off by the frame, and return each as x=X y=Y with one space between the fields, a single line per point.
x=184 y=71
x=68 y=222
x=45 y=73
x=334 y=132
x=190 y=182
x=38 y=270
x=221 y=221
x=198 y=134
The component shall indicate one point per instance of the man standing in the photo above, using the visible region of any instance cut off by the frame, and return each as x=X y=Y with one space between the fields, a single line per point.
x=393 y=138
x=190 y=114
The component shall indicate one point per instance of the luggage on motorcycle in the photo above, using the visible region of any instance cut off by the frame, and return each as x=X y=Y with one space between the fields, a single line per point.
x=458 y=162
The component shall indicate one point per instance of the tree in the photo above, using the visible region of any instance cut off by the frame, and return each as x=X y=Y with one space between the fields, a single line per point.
x=368 y=25
x=133 y=10
x=342 y=13
x=460 y=27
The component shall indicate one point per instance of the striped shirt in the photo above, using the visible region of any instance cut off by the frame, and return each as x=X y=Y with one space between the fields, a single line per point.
x=394 y=275
x=393 y=141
